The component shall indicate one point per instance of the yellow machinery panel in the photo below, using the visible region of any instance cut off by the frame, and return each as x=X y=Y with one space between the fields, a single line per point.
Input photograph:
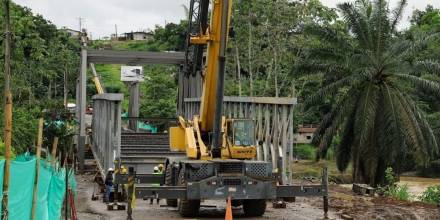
x=177 y=139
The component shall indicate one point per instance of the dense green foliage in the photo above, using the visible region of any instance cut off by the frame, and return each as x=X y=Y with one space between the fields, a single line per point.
x=375 y=87
x=42 y=56
x=369 y=73
x=391 y=189
x=305 y=151
x=431 y=195
x=159 y=93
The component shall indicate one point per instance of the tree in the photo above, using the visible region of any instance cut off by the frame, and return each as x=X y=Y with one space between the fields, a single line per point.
x=369 y=71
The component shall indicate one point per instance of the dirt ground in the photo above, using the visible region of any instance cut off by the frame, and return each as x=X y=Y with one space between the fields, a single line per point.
x=343 y=205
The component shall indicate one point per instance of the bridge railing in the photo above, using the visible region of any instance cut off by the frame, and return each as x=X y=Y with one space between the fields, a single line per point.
x=274 y=126
x=106 y=127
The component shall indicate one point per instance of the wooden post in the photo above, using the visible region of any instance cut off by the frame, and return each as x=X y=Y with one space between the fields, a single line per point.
x=8 y=107
x=54 y=150
x=37 y=173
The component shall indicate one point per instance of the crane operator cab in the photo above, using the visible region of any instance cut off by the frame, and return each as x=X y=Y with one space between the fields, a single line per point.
x=239 y=140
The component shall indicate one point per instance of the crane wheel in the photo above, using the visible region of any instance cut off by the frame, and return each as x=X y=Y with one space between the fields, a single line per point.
x=254 y=207
x=187 y=208
x=169 y=182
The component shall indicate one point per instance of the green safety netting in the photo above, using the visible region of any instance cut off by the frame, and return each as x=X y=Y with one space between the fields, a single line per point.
x=2 y=169
x=44 y=181
x=51 y=188
x=56 y=194
x=21 y=189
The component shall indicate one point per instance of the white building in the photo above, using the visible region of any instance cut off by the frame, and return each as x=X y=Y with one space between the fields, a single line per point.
x=304 y=135
x=138 y=35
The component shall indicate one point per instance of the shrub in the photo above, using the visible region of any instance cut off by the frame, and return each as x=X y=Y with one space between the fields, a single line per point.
x=431 y=195
x=392 y=189
x=398 y=192
x=305 y=151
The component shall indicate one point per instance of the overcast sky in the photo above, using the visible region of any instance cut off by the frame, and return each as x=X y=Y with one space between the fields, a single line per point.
x=101 y=16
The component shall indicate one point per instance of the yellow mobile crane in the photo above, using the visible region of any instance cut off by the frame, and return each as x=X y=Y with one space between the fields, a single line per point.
x=220 y=152
x=210 y=135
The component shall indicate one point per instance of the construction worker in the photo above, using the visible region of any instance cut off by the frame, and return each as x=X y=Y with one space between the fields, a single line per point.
x=161 y=168
x=108 y=184
x=156 y=171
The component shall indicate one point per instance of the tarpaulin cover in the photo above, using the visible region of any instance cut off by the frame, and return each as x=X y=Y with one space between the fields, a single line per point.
x=44 y=180
x=57 y=190
x=2 y=169
x=21 y=187
x=51 y=189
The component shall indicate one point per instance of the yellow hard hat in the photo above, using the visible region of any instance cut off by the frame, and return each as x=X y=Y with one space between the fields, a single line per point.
x=160 y=165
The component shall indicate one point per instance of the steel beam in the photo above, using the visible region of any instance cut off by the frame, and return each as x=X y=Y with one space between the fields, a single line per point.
x=285 y=191
x=82 y=105
x=257 y=100
x=134 y=57
x=163 y=192
x=141 y=178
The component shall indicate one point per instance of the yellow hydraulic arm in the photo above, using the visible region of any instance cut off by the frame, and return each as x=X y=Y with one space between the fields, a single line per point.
x=98 y=85
x=216 y=40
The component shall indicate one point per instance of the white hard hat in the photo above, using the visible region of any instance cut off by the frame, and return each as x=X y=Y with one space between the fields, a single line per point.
x=156 y=168
x=110 y=169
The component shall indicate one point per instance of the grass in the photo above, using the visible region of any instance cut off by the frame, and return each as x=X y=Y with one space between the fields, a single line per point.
x=399 y=192
x=111 y=79
x=312 y=168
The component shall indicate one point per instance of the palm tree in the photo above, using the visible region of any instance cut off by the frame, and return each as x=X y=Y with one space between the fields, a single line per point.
x=369 y=72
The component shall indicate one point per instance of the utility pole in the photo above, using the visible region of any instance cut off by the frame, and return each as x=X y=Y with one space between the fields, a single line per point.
x=8 y=107
x=116 y=32
x=80 y=19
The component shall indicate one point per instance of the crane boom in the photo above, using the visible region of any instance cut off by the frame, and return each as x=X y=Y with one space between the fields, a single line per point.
x=96 y=80
x=216 y=41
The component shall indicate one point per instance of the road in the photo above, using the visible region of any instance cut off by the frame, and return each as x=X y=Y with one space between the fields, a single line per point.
x=96 y=210
x=343 y=205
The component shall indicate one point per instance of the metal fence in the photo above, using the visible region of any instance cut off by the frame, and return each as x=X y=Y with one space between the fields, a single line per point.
x=106 y=127
x=274 y=126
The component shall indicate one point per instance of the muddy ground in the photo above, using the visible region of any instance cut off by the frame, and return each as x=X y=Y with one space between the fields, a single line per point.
x=343 y=205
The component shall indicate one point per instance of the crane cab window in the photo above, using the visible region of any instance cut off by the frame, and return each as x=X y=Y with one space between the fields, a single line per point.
x=244 y=133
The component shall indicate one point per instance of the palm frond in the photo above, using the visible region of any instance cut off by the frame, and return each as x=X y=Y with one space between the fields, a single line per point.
x=328 y=35
x=366 y=113
x=379 y=27
x=329 y=90
x=357 y=24
x=423 y=84
x=427 y=131
x=343 y=150
x=330 y=125
x=390 y=125
x=397 y=14
x=430 y=66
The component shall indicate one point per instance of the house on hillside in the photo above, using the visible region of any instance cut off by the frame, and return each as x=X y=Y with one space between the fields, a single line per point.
x=304 y=134
x=71 y=32
x=138 y=35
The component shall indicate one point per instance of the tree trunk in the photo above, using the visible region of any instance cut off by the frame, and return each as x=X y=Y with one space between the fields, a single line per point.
x=49 y=90
x=65 y=89
x=277 y=92
x=251 y=77
x=237 y=57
